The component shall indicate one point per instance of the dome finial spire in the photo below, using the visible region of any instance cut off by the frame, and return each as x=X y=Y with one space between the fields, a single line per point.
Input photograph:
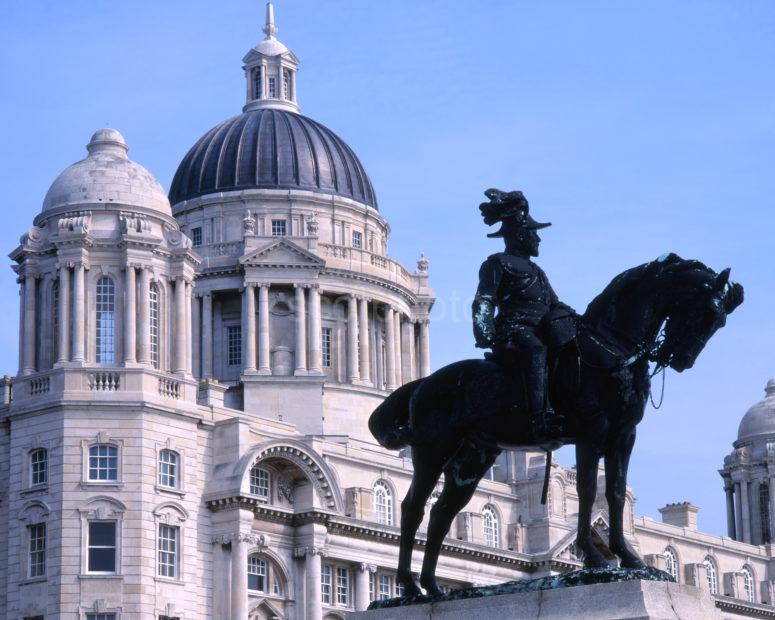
x=270 y=29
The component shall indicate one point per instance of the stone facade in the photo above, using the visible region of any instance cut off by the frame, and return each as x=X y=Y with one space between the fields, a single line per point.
x=186 y=434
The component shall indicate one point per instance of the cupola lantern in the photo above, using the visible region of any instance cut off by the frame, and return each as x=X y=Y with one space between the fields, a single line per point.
x=270 y=72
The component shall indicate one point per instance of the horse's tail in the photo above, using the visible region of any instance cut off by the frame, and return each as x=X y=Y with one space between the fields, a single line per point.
x=389 y=423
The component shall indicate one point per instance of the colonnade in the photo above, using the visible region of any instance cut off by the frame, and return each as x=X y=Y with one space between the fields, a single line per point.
x=401 y=363
x=750 y=509
x=71 y=311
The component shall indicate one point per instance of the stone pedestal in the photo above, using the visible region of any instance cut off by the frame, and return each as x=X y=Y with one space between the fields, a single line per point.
x=629 y=600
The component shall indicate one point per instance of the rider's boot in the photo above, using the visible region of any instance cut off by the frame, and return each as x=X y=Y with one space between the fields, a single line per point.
x=544 y=422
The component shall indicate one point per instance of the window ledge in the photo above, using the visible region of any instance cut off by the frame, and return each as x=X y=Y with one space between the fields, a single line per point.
x=169 y=490
x=98 y=484
x=31 y=580
x=110 y=576
x=38 y=488
x=177 y=582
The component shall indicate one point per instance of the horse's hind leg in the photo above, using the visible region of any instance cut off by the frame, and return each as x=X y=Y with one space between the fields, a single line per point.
x=617 y=461
x=461 y=475
x=587 y=460
x=427 y=470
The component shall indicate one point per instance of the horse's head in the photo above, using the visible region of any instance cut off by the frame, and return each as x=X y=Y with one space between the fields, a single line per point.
x=700 y=301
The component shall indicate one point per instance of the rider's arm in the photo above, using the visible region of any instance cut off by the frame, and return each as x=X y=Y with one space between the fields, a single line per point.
x=483 y=309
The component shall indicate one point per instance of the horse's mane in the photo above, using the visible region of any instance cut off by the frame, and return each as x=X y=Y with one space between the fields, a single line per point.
x=668 y=267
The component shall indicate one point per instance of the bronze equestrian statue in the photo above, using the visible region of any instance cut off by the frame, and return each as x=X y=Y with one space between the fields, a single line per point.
x=458 y=419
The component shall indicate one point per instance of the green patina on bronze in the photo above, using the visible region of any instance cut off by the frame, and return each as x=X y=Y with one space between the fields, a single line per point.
x=583 y=577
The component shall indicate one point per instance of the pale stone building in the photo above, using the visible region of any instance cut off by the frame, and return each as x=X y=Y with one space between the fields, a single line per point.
x=186 y=434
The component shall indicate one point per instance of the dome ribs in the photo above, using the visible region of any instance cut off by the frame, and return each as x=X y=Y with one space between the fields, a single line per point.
x=265 y=170
x=268 y=148
x=228 y=162
x=209 y=177
x=287 y=154
x=331 y=168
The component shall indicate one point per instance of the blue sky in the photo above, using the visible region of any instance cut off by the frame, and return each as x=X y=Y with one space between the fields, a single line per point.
x=636 y=128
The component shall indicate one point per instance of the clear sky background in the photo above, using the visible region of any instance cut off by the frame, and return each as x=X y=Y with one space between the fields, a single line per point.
x=635 y=127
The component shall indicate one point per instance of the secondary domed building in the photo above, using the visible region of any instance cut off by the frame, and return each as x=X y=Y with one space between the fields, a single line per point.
x=186 y=435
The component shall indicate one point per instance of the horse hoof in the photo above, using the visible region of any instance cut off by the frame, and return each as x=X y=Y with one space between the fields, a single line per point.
x=411 y=589
x=432 y=590
x=632 y=563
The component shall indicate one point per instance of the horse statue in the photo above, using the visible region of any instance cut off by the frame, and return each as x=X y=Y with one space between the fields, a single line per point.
x=458 y=419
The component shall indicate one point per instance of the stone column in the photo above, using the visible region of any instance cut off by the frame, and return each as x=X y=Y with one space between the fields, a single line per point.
x=28 y=367
x=315 y=332
x=130 y=318
x=79 y=311
x=397 y=346
x=738 y=512
x=771 y=482
x=312 y=589
x=390 y=346
x=221 y=580
x=64 y=314
x=407 y=351
x=363 y=342
x=196 y=336
x=189 y=339
x=144 y=317
x=264 y=367
x=425 y=348
x=180 y=326
x=249 y=328
x=362 y=572
x=746 y=511
x=300 y=316
x=207 y=336
x=239 y=578
x=728 y=489
x=352 y=340
x=756 y=519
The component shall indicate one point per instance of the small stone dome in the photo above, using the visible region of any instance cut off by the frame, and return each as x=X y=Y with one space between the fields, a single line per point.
x=271 y=149
x=107 y=176
x=759 y=420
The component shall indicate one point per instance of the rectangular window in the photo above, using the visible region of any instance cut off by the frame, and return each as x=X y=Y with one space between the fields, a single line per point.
x=102 y=547
x=100 y=616
x=168 y=469
x=196 y=236
x=168 y=551
x=234 y=342
x=325 y=584
x=105 y=320
x=342 y=586
x=256 y=574
x=38 y=466
x=326 y=348
x=278 y=228
x=372 y=586
x=259 y=482
x=399 y=588
x=385 y=587
x=37 y=554
x=103 y=462
x=357 y=239
x=272 y=88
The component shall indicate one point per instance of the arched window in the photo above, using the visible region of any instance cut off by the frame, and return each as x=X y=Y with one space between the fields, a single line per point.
x=106 y=320
x=490 y=527
x=383 y=503
x=168 y=469
x=748 y=585
x=764 y=512
x=671 y=563
x=155 y=351
x=710 y=568
x=260 y=481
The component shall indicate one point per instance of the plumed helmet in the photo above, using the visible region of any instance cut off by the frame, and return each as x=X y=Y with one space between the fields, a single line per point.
x=509 y=208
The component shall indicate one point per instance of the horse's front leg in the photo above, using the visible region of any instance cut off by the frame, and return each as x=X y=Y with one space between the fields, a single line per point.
x=617 y=461
x=587 y=459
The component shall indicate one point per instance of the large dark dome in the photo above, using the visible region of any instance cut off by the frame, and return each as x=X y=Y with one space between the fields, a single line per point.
x=271 y=149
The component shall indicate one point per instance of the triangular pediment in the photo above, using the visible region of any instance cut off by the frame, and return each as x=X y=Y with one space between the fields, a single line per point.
x=282 y=253
x=254 y=57
x=567 y=548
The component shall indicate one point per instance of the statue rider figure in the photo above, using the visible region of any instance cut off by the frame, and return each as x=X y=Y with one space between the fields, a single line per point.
x=514 y=306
